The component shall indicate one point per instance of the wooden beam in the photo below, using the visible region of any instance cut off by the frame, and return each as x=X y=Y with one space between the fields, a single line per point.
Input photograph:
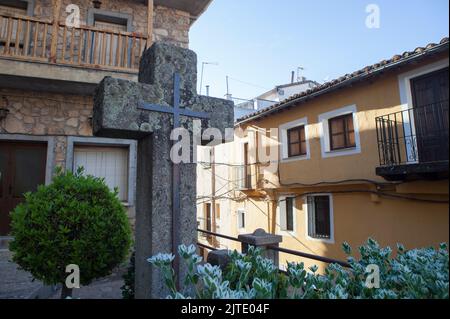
x=150 y=8
x=54 y=43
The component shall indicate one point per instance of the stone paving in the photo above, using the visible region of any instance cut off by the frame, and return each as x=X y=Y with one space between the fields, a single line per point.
x=105 y=288
x=15 y=283
x=19 y=284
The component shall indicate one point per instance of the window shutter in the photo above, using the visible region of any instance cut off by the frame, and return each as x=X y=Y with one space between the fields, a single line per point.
x=208 y=219
x=290 y=214
x=241 y=218
x=283 y=219
x=311 y=216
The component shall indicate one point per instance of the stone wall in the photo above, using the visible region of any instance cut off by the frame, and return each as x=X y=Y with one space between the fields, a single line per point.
x=169 y=24
x=172 y=26
x=58 y=115
x=37 y=113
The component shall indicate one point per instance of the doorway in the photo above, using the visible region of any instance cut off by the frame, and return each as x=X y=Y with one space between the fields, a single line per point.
x=430 y=98
x=22 y=169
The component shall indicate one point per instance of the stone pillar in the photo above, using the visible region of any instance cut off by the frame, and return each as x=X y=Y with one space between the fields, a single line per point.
x=262 y=240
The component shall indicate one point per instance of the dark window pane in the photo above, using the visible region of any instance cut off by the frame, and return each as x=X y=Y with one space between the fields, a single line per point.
x=293 y=136
x=289 y=214
x=337 y=126
x=342 y=132
x=29 y=169
x=323 y=216
x=303 y=149
x=319 y=223
x=297 y=141
x=294 y=149
x=208 y=217
x=241 y=219
x=338 y=141
x=351 y=139
x=311 y=213
x=302 y=134
x=350 y=123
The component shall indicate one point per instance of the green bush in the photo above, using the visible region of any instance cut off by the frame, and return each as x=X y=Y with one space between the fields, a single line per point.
x=74 y=220
x=413 y=274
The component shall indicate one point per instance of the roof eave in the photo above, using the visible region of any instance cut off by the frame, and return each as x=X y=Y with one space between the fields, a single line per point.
x=358 y=78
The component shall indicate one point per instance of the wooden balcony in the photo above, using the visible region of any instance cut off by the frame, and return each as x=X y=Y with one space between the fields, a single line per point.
x=36 y=40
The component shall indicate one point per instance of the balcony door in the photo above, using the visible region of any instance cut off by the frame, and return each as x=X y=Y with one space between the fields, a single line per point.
x=430 y=98
x=22 y=169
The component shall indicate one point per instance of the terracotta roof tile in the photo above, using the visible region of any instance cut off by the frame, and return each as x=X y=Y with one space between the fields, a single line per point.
x=321 y=89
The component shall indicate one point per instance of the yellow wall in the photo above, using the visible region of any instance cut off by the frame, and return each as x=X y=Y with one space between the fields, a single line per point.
x=357 y=216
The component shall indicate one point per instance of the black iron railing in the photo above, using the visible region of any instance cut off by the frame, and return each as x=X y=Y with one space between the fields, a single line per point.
x=416 y=135
x=275 y=248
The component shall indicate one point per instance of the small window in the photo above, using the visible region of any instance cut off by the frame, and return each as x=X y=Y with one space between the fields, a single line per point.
x=241 y=218
x=217 y=211
x=287 y=214
x=342 y=132
x=110 y=23
x=208 y=217
x=110 y=163
x=319 y=217
x=14 y=7
x=247 y=167
x=296 y=141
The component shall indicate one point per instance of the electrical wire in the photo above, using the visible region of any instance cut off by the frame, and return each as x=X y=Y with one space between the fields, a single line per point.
x=248 y=83
x=361 y=191
x=344 y=181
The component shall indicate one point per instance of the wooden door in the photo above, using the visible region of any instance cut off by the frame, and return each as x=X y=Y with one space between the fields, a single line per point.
x=430 y=97
x=22 y=169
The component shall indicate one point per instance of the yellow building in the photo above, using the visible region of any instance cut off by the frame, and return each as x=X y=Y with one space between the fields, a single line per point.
x=365 y=155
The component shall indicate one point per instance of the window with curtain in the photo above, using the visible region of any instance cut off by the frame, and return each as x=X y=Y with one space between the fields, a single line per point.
x=110 y=163
x=296 y=141
x=342 y=132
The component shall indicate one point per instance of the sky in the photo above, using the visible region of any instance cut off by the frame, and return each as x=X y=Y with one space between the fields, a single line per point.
x=258 y=43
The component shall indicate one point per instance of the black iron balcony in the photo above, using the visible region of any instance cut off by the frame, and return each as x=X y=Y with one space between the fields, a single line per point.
x=413 y=144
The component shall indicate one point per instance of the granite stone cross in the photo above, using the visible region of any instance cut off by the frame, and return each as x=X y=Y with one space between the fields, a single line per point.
x=164 y=98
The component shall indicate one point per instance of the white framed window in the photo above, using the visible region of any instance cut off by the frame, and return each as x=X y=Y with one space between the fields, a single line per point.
x=286 y=215
x=319 y=217
x=110 y=163
x=347 y=136
x=294 y=140
x=241 y=219
x=112 y=159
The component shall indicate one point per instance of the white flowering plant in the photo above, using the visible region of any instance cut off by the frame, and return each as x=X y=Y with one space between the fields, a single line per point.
x=411 y=274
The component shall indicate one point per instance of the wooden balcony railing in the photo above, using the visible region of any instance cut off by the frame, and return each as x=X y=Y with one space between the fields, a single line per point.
x=34 y=40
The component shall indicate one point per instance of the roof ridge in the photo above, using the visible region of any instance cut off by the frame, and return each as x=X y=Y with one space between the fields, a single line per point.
x=367 y=70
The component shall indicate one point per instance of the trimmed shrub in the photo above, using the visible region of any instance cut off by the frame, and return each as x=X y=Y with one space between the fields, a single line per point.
x=74 y=220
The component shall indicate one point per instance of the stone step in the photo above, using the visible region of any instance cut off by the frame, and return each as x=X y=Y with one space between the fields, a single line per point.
x=4 y=242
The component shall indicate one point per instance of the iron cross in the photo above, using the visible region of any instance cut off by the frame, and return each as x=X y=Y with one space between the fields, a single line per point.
x=177 y=111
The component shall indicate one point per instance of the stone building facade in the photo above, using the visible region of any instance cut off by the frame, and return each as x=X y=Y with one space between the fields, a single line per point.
x=48 y=104
x=169 y=24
